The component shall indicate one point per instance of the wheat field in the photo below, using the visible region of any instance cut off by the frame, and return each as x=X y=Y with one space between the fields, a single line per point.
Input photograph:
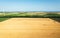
x=29 y=28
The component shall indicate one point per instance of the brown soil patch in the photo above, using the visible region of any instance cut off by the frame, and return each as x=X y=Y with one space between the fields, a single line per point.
x=29 y=28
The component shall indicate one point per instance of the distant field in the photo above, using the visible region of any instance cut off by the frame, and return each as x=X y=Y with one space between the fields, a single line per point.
x=7 y=15
x=31 y=14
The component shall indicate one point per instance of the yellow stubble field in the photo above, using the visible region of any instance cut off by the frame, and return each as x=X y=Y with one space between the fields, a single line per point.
x=30 y=28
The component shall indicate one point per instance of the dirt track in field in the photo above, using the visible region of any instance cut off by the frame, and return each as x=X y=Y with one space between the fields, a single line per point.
x=29 y=28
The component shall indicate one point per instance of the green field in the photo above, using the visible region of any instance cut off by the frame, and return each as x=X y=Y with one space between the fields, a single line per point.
x=3 y=19
x=7 y=15
x=30 y=14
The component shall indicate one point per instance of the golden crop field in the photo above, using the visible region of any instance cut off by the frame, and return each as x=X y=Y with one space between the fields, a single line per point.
x=30 y=28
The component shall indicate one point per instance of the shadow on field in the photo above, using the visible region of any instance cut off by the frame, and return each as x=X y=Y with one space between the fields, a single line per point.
x=56 y=19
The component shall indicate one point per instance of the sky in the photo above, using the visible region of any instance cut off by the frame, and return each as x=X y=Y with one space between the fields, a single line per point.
x=29 y=5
